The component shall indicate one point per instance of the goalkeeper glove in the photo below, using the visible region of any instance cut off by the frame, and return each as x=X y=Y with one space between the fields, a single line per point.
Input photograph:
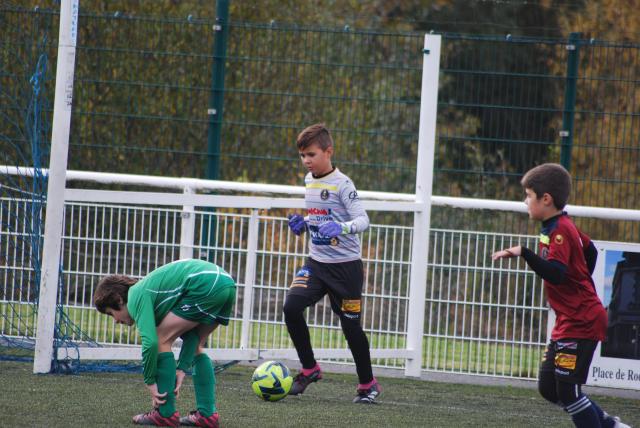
x=297 y=224
x=331 y=229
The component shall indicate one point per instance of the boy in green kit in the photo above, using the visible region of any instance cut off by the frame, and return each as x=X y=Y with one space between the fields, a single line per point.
x=186 y=299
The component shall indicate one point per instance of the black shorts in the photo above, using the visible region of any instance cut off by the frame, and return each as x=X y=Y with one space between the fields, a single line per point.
x=569 y=359
x=342 y=281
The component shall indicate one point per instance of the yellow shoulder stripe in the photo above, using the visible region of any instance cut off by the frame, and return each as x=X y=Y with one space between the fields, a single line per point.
x=316 y=185
x=544 y=239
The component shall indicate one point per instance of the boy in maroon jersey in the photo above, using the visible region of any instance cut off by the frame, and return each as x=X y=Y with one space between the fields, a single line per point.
x=566 y=262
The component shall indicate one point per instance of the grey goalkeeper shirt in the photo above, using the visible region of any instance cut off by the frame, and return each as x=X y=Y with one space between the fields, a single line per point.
x=333 y=197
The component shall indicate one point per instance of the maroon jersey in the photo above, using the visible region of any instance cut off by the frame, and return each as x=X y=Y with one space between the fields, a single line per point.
x=579 y=311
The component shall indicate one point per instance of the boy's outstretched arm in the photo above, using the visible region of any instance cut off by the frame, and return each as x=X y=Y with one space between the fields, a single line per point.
x=550 y=270
x=507 y=253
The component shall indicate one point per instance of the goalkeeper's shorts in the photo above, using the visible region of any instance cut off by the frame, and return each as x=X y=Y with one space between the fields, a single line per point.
x=342 y=281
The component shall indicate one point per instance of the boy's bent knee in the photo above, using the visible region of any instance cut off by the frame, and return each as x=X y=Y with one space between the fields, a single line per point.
x=294 y=305
x=547 y=385
x=548 y=391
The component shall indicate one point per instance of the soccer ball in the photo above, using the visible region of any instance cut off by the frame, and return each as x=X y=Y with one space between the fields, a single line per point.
x=271 y=381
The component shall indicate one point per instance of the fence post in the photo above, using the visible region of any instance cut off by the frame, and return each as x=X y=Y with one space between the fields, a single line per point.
x=573 y=58
x=249 y=279
x=187 y=228
x=216 y=99
x=422 y=219
x=50 y=276
x=216 y=104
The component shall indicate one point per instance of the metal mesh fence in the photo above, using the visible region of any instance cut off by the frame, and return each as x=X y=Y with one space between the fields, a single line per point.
x=145 y=86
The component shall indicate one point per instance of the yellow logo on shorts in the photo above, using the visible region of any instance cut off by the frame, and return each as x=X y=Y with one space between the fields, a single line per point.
x=566 y=361
x=351 y=306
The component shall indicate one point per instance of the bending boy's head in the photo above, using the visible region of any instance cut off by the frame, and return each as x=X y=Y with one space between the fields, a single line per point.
x=550 y=178
x=315 y=134
x=112 y=292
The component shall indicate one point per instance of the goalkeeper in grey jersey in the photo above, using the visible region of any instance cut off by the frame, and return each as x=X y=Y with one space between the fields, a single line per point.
x=186 y=299
x=334 y=218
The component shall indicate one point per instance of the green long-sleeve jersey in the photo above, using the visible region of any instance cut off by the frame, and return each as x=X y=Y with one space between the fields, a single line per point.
x=155 y=295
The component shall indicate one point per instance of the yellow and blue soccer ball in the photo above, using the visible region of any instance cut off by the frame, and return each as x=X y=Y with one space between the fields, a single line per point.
x=271 y=381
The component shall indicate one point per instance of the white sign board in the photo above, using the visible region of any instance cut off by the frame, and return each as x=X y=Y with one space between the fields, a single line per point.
x=616 y=361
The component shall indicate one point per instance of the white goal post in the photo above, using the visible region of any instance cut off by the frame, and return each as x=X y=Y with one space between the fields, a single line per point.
x=69 y=10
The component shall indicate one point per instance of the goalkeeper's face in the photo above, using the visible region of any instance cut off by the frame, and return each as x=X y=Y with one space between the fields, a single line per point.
x=120 y=315
x=316 y=160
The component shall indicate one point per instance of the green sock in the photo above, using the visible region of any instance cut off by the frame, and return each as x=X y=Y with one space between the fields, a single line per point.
x=166 y=380
x=204 y=382
x=188 y=350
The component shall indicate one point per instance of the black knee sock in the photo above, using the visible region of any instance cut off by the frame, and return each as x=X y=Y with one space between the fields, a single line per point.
x=606 y=420
x=359 y=345
x=294 y=307
x=583 y=414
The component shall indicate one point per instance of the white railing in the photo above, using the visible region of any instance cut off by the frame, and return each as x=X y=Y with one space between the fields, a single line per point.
x=101 y=237
x=479 y=317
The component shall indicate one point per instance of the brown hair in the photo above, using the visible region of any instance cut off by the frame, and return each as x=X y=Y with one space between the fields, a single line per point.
x=111 y=291
x=318 y=134
x=551 y=178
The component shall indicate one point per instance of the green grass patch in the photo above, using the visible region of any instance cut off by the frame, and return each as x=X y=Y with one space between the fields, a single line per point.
x=110 y=399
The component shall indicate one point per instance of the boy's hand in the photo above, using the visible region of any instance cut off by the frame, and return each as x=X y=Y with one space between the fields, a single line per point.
x=297 y=224
x=330 y=229
x=156 y=397
x=179 y=378
x=507 y=253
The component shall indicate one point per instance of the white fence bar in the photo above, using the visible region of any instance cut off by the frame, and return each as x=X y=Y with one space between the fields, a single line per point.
x=187 y=228
x=57 y=169
x=219 y=201
x=249 y=279
x=194 y=183
x=132 y=353
x=203 y=200
x=422 y=219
